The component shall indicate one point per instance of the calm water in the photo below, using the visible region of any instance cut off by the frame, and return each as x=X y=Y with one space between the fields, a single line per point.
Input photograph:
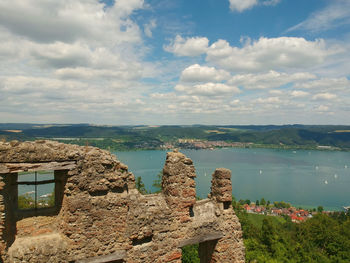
x=307 y=178
x=42 y=190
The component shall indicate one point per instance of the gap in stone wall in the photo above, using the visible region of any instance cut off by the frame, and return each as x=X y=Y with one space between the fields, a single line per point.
x=141 y=241
x=191 y=211
x=227 y=205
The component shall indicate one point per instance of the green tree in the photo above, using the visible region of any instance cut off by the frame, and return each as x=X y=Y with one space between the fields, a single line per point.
x=51 y=201
x=234 y=202
x=25 y=201
x=323 y=238
x=320 y=209
x=262 y=201
x=190 y=254
x=268 y=233
x=281 y=204
x=257 y=202
x=140 y=185
x=157 y=183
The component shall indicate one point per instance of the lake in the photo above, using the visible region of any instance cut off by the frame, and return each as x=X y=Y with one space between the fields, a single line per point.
x=303 y=178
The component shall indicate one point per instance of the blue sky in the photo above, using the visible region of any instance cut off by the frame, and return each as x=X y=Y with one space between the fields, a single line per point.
x=175 y=62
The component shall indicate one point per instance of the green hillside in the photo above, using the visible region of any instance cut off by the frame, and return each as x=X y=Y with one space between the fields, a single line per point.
x=153 y=137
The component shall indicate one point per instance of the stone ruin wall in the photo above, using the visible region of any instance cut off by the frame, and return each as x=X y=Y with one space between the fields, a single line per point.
x=101 y=217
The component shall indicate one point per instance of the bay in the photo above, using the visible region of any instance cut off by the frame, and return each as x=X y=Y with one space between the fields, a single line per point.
x=303 y=178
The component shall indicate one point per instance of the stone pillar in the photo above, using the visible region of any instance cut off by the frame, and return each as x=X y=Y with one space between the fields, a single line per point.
x=178 y=185
x=8 y=205
x=60 y=182
x=221 y=187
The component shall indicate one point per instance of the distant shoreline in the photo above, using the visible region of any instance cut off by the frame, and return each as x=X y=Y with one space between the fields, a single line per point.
x=253 y=146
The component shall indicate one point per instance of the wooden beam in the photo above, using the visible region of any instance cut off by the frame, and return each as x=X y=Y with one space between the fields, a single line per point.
x=32 y=167
x=118 y=255
x=200 y=238
x=37 y=182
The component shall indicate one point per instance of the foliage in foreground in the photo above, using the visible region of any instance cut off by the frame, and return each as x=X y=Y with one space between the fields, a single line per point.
x=323 y=238
x=190 y=254
x=26 y=201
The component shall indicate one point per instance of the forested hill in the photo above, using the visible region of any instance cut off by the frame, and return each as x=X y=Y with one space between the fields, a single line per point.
x=152 y=137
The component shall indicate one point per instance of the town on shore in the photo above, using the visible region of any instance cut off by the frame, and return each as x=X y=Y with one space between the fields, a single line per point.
x=296 y=215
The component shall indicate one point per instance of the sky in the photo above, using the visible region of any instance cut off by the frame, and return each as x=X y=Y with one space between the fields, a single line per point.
x=164 y=62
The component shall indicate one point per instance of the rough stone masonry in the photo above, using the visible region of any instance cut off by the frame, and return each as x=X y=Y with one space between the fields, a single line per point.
x=99 y=215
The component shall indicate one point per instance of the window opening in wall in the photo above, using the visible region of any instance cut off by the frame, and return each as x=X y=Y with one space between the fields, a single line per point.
x=144 y=240
x=36 y=190
x=227 y=204
x=191 y=211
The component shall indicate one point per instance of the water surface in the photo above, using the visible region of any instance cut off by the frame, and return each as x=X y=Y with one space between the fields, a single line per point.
x=308 y=178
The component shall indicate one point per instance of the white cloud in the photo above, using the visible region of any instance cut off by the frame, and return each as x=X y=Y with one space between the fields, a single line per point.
x=272 y=79
x=193 y=46
x=270 y=100
x=60 y=55
x=235 y=102
x=197 y=73
x=336 y=14
x=324 y=96
x=299 y=93
x=276 y=92
x=208 y=89
x=326 y=84
x=71 y=60
x=322 y=108
x=242 y=5
x=269 y=54
x=69 y=21
x=81 y=73
x=271 y=2
x=149 y=27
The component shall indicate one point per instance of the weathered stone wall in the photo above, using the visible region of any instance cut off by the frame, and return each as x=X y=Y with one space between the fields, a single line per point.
x=102 y=216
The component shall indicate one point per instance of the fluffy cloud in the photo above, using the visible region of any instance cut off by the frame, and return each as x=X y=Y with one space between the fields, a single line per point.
x=268 y=54
x=322 y=108
x=299 y=93
x=197 y=73
x=326 y=84
x=193 y=46
x=324 y=96
x=63 y=61
x=261 y=55
x=69 y=21
x=270 y=100
x=208 y=89
x=272 y=79
x=149 y=27
x=241 y=5
x=69 y=61
x=81 y=73
x=261 y=76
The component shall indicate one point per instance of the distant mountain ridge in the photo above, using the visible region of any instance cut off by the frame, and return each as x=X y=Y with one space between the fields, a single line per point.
x=152 y=137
